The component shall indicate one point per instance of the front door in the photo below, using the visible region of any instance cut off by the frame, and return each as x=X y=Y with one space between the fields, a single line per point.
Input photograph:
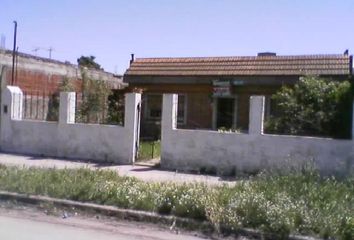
x=225 y=117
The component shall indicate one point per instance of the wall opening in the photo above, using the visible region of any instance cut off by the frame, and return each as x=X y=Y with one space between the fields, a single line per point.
x=225 y=113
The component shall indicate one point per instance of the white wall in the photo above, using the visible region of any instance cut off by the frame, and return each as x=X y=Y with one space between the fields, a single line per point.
x=181 y=149
x=194 y=149
x=65 y=138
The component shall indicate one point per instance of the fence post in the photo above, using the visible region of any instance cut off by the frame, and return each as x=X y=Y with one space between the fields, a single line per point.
x=67 y=107
x=256 y=116
x=11 y=109
x=132 y=123
x=12 y=98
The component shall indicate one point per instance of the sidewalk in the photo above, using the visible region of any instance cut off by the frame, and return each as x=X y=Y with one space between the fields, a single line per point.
x=144 y=173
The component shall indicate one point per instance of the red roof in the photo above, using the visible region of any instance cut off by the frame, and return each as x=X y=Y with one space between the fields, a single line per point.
x=246 y=66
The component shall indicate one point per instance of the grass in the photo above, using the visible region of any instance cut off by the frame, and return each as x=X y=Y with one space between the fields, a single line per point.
x=149 y=150
x=298 y=203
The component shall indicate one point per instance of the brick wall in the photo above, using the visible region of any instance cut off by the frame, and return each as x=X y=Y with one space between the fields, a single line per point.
x=39 y=82
x=199 y=110
x=41 y=78
x=44 y=76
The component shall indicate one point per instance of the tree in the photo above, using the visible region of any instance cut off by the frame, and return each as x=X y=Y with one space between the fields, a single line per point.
x=88 y=62
x=93 y=108
x=314 y=106
x=115 y=112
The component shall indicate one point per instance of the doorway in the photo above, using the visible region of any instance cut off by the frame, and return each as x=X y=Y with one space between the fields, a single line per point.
x=225 y=113
x=150 y=130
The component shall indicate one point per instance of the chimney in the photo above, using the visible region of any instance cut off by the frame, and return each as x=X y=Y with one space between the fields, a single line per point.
x=132 y=58
x=266 y=54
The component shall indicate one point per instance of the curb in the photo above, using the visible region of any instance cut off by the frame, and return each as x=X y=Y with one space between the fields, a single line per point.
x=110 y=211
x=140 y=216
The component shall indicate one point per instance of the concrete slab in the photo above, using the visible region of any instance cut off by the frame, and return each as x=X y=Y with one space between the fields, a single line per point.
x=145 y=173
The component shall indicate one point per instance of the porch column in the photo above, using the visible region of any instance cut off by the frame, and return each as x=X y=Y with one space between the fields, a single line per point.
x=215 y=112
x=169 y=112
x=256 y=116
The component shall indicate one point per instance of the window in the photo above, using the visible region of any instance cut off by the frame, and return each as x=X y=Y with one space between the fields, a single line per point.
x=270 y=107
x=153 y=108
x=182 y=109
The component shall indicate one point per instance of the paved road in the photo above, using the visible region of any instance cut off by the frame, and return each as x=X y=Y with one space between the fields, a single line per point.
x=17 y=225
x=144 y=173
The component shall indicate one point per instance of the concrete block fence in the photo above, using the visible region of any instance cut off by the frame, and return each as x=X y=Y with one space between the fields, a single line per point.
x=229 y=152
x=66 y=138
x=180 y=148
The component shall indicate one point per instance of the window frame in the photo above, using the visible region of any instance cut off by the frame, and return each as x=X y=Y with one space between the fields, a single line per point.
x=147 y=112
x=183 y=120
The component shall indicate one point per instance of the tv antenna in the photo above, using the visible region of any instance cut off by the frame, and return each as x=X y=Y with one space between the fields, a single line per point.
x=50 y=50
x=35 y=50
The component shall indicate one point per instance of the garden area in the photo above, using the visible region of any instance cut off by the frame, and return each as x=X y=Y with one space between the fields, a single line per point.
x=149 y=150
x=300 y=202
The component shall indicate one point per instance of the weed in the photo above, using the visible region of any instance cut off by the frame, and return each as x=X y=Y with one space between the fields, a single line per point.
x=149 y=150
x=300 y=202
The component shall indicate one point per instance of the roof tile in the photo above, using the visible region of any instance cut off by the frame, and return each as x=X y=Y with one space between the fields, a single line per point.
x=259 y=65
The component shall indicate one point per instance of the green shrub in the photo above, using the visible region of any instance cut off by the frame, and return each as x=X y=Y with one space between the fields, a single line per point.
x=314 y=106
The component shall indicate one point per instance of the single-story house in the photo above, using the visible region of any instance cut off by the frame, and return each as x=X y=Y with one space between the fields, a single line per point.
x=214 y=91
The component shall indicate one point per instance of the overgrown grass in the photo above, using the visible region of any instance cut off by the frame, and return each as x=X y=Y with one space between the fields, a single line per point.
x=149 y=150
x=298 y=203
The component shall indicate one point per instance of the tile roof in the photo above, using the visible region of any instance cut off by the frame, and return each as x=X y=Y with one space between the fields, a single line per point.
x=247 y=66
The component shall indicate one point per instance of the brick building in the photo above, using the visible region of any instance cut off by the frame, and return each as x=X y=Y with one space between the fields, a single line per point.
x=37 y=74
x=214 y=91
x=40 y=78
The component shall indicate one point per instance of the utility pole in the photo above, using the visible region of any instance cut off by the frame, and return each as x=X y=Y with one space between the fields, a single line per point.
x=16 y=63
x=13 y=54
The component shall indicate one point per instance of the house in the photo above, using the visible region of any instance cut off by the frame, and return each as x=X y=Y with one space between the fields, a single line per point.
x=214 y=91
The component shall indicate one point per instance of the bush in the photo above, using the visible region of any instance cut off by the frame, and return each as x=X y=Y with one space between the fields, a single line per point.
x=314 y=106
x=94 y=100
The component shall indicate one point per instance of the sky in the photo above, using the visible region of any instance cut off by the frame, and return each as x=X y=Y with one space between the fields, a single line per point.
x=111 y=30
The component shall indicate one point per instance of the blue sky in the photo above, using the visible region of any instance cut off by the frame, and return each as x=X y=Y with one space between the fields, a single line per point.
x=112 y=29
